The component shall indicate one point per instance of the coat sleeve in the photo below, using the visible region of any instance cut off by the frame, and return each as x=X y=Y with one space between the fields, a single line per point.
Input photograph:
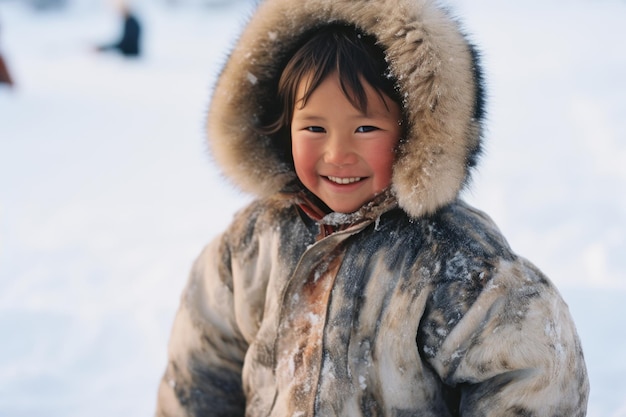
x=206 y=348
x=513 y=352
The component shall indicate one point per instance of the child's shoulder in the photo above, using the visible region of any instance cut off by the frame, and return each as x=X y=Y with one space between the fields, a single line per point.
x=461 y=225
x=266 y=210
x=263 y=215
x=455 y=228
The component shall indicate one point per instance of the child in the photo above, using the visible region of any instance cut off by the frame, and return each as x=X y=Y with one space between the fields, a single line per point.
x=358 y=283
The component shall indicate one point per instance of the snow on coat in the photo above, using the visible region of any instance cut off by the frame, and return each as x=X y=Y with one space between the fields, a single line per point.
x=415 y=306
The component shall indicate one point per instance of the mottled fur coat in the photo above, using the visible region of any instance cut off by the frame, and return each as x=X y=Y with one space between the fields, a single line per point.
x=414 y=306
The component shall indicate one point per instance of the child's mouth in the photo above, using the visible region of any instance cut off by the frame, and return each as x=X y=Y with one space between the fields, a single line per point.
x=346 y=180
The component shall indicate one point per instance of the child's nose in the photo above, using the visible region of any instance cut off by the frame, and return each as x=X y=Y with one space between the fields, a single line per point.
x=339 y=151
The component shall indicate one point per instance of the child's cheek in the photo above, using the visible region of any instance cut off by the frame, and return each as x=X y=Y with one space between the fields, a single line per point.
x=305 y=159
x=382 y=158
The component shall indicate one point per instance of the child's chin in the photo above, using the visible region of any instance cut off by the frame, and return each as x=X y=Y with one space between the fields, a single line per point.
x=345 y=208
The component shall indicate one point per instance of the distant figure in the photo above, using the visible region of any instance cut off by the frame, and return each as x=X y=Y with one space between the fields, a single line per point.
x=128 y=45
x=5 y=77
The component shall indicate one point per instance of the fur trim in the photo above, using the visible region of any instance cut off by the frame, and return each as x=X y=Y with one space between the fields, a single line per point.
x=438 y=74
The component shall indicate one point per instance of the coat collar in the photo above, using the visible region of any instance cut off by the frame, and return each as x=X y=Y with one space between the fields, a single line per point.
x=331 y=222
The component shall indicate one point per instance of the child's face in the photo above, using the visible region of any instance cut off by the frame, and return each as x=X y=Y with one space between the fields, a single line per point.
x=341 y=155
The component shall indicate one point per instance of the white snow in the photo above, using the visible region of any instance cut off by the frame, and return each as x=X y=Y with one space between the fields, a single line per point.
x=362 y=382
x=107 y=193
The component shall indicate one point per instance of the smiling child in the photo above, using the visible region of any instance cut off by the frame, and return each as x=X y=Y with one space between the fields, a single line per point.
x=358 y=283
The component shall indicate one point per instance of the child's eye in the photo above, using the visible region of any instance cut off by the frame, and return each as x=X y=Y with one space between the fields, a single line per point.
x=315 y=129
x=365 y=129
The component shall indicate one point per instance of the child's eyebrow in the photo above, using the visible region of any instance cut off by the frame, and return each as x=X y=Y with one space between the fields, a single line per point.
x=304 y=116
x=375 y=114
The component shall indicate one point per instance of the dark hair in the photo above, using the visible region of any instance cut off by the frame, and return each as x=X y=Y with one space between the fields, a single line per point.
x=355 y=57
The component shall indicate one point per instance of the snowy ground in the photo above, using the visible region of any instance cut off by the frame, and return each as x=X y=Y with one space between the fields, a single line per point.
x=107 y=193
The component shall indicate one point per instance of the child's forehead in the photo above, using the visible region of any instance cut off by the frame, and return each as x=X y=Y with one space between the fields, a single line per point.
x=308 y=84
x=329 y=94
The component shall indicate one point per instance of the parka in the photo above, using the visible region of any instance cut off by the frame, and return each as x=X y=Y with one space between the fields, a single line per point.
x=414 y=305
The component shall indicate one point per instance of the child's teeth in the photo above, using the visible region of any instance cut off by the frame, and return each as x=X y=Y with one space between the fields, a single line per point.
x=344 y=180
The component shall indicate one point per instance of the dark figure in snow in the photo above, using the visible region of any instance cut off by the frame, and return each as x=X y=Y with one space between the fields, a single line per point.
x=5 y=76
x=128 y=45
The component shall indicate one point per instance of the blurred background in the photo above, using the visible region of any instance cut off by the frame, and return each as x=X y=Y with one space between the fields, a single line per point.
x=107 y=193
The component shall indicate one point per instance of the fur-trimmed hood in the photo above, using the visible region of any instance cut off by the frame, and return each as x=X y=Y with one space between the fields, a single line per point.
x=438 y=76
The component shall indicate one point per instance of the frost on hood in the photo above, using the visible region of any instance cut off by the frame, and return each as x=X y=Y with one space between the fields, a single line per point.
x=251 y=78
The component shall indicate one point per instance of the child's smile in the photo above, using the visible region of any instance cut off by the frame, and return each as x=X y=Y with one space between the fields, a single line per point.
x=343 y=156
x=338 y=180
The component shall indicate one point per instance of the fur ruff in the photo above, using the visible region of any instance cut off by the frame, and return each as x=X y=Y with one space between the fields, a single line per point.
x=438 y=75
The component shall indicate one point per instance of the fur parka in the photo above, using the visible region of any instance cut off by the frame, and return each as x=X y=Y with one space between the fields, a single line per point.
x=415 y=305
